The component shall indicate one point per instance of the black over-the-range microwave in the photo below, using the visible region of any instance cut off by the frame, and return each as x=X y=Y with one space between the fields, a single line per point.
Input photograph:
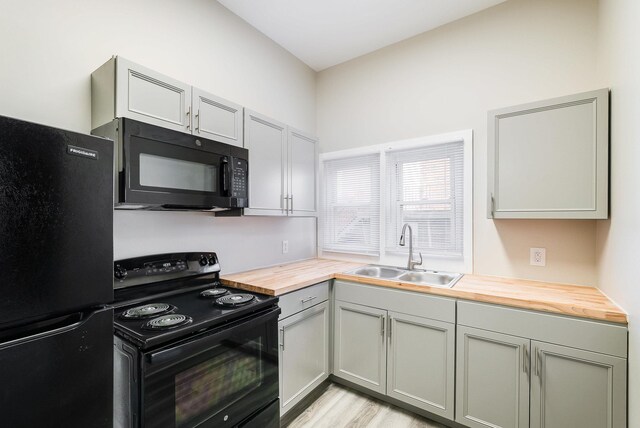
x=158 y=168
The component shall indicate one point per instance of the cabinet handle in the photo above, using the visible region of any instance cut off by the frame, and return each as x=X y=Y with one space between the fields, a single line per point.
x=291 y=197
x=189 y=118
x=198 y=121
x=390 y=324
x=382 y=323
x=308 y=299
x=526 y=362
x=493 y=206
x=282 y=338
x=539 y=365
x=287 y=199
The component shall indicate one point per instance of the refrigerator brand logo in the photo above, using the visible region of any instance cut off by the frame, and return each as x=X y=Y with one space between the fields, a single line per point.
x=85 y=153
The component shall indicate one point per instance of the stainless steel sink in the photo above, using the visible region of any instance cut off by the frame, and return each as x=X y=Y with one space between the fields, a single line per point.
x=417 y=277
x=378 y=272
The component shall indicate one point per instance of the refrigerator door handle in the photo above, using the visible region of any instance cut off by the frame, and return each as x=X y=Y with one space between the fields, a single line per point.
x=46 y=329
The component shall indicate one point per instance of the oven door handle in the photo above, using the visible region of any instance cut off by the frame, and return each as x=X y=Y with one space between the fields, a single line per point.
x=176 y=354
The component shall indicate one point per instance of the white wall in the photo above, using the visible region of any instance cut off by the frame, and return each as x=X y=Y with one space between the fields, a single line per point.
x=50 y=48
x=446 y=80
x=619 y=238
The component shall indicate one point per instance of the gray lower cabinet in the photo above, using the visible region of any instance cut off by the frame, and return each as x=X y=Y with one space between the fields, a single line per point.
x=572 y=388
x=509 y=374
x=403 y=349
x=303 y=343
x=360 y=351
x=420 y=362
x=492 y=386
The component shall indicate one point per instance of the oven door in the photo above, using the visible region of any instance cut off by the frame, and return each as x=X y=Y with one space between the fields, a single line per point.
x=216 y=379
x=174 y=170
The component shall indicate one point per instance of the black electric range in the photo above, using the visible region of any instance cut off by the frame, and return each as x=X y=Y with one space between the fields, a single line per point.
x=190 y=352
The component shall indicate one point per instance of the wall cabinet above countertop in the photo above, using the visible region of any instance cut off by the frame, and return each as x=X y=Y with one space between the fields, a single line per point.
x=550 y=159
x=121 y=88
x=283 y=164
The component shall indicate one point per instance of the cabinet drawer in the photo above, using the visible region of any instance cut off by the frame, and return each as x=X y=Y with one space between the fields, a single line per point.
x=406 y=302
x=579 y=333
x=299 y=300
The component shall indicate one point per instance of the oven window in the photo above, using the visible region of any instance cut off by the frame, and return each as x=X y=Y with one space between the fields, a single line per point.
x=213 y=384
x=159 y=171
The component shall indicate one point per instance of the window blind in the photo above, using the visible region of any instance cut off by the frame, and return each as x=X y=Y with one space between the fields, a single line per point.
x=426 y=190
x=351 y=205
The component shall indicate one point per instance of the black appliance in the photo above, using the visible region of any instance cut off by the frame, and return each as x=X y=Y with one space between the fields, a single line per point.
x=189 y=352
x=159 y=168
x=56 y=255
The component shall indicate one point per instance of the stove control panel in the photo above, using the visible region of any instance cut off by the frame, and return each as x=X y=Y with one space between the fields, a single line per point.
x=162 y=267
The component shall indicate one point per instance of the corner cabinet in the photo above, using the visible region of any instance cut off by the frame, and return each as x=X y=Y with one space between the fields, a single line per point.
x=550 y=159
x=121 y=88
x=304 y=343
x=517 y=368
x=396 y=343
x=283 y=168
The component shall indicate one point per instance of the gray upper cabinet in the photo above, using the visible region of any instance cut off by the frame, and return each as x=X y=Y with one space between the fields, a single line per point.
x=492 y=384
x=121 y=88
x=549 y=159
x=216 y=118
x=303 y=172
x=283 y=162
x=576 y=388
x=266 y=140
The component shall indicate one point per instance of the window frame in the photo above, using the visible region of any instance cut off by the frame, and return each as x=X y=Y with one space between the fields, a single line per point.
x=443 y=262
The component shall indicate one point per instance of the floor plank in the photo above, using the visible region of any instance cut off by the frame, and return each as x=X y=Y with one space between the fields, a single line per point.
x=341 y=407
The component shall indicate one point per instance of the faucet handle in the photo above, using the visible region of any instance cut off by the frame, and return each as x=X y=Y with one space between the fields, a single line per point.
x=419 y=264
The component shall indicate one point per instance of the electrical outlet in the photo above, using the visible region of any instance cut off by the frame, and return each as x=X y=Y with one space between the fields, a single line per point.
x=285 y=247
x=537 y=256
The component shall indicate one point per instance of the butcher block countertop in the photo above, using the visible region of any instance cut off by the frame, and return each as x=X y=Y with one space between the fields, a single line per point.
x=573 y=300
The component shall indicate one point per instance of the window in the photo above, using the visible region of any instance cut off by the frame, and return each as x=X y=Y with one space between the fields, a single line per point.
x=426 y=190
x=370 y=193
x=351 y=208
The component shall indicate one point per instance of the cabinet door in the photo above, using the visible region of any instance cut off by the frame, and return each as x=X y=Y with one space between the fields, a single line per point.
x=572 y=388
x=266 y=140
x=420 y=368
x=360 y=345
x=304 y=354
x=492 y=379
x=549 y=159
x=216 y=118
x=303 y=173
x=148 y=96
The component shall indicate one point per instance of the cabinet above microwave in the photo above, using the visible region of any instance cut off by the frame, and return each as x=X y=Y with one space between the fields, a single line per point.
x=121 y=88
x=550 y=159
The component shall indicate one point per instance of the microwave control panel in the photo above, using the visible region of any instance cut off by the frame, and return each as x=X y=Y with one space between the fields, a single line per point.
x=240 y=178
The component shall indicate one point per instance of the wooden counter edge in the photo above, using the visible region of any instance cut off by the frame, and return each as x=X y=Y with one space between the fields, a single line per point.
x=556 y=307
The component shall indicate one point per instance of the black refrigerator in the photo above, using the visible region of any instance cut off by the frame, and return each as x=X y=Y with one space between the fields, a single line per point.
x=56 y=264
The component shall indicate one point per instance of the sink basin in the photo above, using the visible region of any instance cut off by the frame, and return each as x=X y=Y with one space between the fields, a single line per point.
x=378 y=272
x=417 y=277
x=437 y=279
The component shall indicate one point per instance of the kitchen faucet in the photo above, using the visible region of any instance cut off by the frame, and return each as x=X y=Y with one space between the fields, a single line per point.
x=411 y=264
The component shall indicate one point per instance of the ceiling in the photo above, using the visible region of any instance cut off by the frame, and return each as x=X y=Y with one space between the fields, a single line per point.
x=323 y=33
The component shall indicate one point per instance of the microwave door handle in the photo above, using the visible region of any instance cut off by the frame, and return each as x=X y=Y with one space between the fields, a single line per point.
x=225 y=177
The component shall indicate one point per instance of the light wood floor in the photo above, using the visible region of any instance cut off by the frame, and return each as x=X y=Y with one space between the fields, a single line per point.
x=341 y=407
